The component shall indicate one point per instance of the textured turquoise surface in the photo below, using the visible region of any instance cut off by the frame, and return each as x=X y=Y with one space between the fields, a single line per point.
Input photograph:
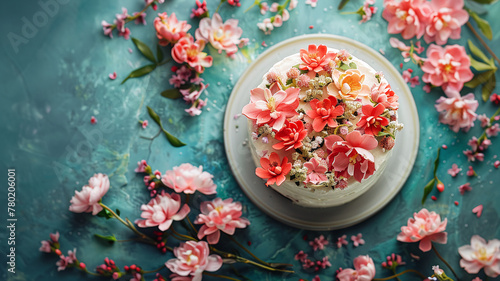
x=57 y=80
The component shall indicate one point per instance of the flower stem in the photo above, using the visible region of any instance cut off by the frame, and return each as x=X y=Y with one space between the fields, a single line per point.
x=247 y=261
x=186 y=237
x=154 y=270
x=445 y=262
x=399 y=274
x=220 y=276
x=482 y=42
x=220 y=3
x=128 y=224
x=248 y=251
x=255 y=3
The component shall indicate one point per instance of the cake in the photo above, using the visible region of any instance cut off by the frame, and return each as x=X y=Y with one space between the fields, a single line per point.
x=322 y=125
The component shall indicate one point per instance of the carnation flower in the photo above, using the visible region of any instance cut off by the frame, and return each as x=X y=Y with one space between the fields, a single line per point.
x=446 y=21
x=457 y=111
x=425 y=227
x=87 y=200
x=273 y=169
x=188 y=179
x=170 y=30
x=192 y=258
x=364 y=270
x=186 y=50
x=162 y=210
x=480 y=254
x=223 y=36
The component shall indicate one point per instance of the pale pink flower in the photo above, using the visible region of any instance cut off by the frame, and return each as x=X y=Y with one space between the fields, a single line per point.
x=325 y=263
x=285 y=15
x=384 y=95
x=408 y=17
x=406 y=50
x=464 y=187
x=448 y=67
x=162 y=210
x=425 y=227
x=192 y=258
x=186 y=50
x=293 y=4
x=358 y=240
x=112 y=76
x=454 y=170
x=341 y=241
x=106 y=27
x=315 y=171
x=45 y=247
x=446 y=21
x=266 y=25
x=136 y=277
x=63 y=263
x=145 y=124
x=459 y=112
x=223 y=36
x=313 y=3
x=278 y=21
x=176 y=81
x=170 y=30
x=219 y=215
x=485 y=121
x=264 y=7
x=364 y=270
x=481 y=254
x=315 y=58
x=188 y=179
x=274 y=7
x=318 y=243
x=493 y=130
x=478 y=210
x=72 y=256
x=191 y=95
x=273 y=169
x=87 y=200
x=368 y=11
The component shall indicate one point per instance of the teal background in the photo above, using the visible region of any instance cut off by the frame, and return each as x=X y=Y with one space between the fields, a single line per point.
x=58 y=79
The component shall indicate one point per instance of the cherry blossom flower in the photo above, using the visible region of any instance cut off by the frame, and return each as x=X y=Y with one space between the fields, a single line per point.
x=219 y=215
x=315 y=58
x=464 y=187
x=266 y=25
x=189 y=179
x=223 y=36
x=107 y=28
x=176 y=81
x=372 y=120
x=357 y=240
x=425 y=227
x=316 y=278
x=493 y=130
x=349 y=85
x=87 y=200
x=48 y=244
x=485 y=121
x=316 y=171
x=364 y=270
x=313 y=3
x=186 y=50
x=201 y=10
x=293 y=4
x=383 y=94
x=478 y=210
x=273 y=169
x=162 y=210
x=191 y=95
x=457 y=111
x=264 y=7
x=471 y=172
x=196 y=107
x=454 y=170
x=446 y=21
x=290 y=136
x=192 y=258
x=141 y=166
x=63 y=262
x=324 y=263
x=318 y=243
x=481 y=254
x=169 y=30
x=272 y=109
x=367 y=10
x=145 y=124
x=448 y=67
x=408 y=17
x=341 y=241
x=301 y=256
x=324 y=113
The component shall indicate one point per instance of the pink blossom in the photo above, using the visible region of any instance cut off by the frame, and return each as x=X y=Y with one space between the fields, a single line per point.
x=313 y=3
x=315 y=171
x=427 y=88
x=201 y=9
x=266 y=25
x=393 y=261
x=301 y=256
x=478 y=210
x=446 y=21
x=496 y=164
x=45 y=247
x=408 y=17
x=192 y=258
x=106 y=27
x=319 y=243
x=316 y=278
x=170 y=30
x=136 y=277
x=448 y=67
x=324 y=113
x=368 y=11
x=493 y=130
x=364 y=270
x=481 y=254
x=273 y=169
x=471 y=172
x=290 y=136
x=219 y=215
x=315 y=58
x=485 y=121
x=144 y=124
x=352 y=157
x=357 y=240
x=494 y=98
x=184 y=73
x=372 y=120
x=141 y=166
x=196 y=107
x=272 y=109
x=293 y=4
x=176 y=81
x=162 y=210
x=188 y=179
x=186 y=50
x=264 y=7
x=425 y=227
x=464 y=187
x=63 y=263
x=112 y=76
x=457 y=111
x=341 y=241
x=72 y=256
x=191 y=94
x=278 y=21
x=274 y=7
x=223 y=36
x=454 y=170
x=87 y=200
x=325 y=263
x=141 y=18
x=383 y=94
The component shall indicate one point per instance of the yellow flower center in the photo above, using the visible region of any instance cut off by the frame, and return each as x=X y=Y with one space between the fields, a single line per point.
x=482 y=254
x=271 y=104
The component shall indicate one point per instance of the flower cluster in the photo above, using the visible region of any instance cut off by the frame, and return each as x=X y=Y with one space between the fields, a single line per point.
x=281 y=14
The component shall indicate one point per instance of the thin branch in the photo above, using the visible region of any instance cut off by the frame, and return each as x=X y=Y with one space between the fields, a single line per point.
x=482 y=42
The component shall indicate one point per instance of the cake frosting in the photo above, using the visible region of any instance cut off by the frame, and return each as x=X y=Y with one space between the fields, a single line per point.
x=322 y=126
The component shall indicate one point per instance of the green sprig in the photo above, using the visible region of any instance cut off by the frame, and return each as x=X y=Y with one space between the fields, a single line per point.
x=430 y=185
x=171 y=139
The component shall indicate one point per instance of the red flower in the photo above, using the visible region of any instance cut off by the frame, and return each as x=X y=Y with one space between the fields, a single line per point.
x=273 y=169
x=291 y=136
x=371 y=120
x=324 y=112
x=315 y=58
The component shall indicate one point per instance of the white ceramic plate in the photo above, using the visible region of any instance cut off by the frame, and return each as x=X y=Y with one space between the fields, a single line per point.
x=281 y=208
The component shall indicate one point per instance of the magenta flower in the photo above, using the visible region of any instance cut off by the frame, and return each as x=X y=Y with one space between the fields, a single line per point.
x=219 y=215
x=87 y=200
x=457 y=111
x=446 y=21
x=141 y=166
x=192 y=258
x=315 y=171
x=186 y=50
x=301 y=256
x=425 y=227
x=454 y=170
x=364 y=270
x=341 y=241
x=63 y=262
x=170 y=30
x=315 y=58
x=47 y=245
x=318 y=243
x=408 y=17
x=188 y=179
x=162 y=210
x=223 y=36
x=480 y=254
x=464 y=187
x=358 y=240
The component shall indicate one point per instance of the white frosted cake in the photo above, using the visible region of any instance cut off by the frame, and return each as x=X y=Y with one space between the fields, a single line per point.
x=322 y=125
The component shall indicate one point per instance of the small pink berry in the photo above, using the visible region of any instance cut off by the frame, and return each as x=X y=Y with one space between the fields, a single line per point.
x=440 y=187
x=155 y=7
x=174 y=68
x=410 y=70
x=58 y=252
x=82 y=265
x=444 y=146
x=93 y=120
x=433 y=197
x=456 y=203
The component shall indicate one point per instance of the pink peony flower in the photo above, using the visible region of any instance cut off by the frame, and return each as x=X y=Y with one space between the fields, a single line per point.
x=454 y=170
x=315 y=58
x=349 y=85
x=273 y=169
x=324 y=112
x=408 y=17
x=351 y=157
x=290 y=136
x=272 y=109
x=480 y=254
x=425 y=227
x=383 y=94
x=448 y=67
x=457 y=111
x=162 y=210
x=169 y=30
x=315 y=171
x=446 y=21
x=190 y=52
x=188 y=179
x=88 y=199
x=372 y=120
x=364 y=270
x=192 y=258
x=222 y=36
x=219 y=215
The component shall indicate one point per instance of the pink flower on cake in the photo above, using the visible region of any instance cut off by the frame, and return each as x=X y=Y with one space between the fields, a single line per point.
x=188 y=179
x=272 y=109
x=162 y=210
x=348 y=85
x=315 y=171
x=290 y=136
x=372 y=120
x=273 y=169
x=457 y=111
x=364 y=270
x=324 y=112
x=192 y=258
x=169 y=30
x=223 y=36
x=219 y=215
x=425 y=227
x=408 y=17
x=446 y=21
x=190 y=52
x=352 y=157
x=88 y=199
x=383 y=94
x=315 y=58
x=448 y=67
x=480 y=254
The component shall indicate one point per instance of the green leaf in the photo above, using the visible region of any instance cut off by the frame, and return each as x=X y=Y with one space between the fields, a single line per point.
x=159 y=53
x=117 y=211
x=105 y=214
x=485 y=1
x=479 y=79
x=488 y=88
x=154 y=116
x=477 y=52
x=109 y=238
x=342 y=4
x=479 y=66
x=428 y=189
x=140 y=72
x=171 y=94
x=144 y=49
x=436 y=162
x=353 y=65
x=483 y=25
x=173 y=140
